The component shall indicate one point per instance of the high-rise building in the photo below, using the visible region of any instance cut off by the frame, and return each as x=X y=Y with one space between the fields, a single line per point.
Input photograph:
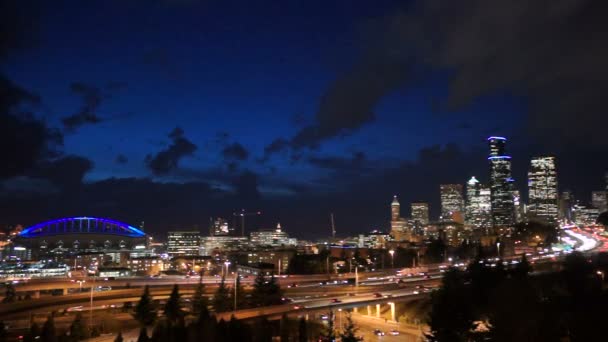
x=420 y=213
x=272 y=237
x=219 y=227
x=478 y=207
x=599 y=200
x=452 y=202
x=566 y=201
x=398 y=223
x=183 y=243
x=542 y=189
x=501 y=183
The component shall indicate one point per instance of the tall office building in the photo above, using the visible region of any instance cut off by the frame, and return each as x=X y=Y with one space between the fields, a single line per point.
x=452 y=202
x=501 y=183
x=566 y=201
x=599 y=200
x=478 y=206
x=542 y=189
x=183 y=243
x=398 y=223
x=420 y=213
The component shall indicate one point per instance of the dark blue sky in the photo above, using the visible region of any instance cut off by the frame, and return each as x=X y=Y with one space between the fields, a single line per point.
x=115 y=78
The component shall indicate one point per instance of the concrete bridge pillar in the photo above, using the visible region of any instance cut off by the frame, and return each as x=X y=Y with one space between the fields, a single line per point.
x=378 y=310
x=393 y=318
x=369 y=310
x=355 y=309
x=36 y=294
x=65 y=291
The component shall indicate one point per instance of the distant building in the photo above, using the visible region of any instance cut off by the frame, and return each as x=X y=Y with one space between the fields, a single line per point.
x=180 y=243
x=213 y=245
x=566 y=201
x=452 y=203
x=501 y=183
x=399 y=226
x=599 y=200
x=479 y=207
x=585 y=216
x=279 y=258
x=146 y=265
x=375 y=240
x=420 y=213
x=272 y=237
x=219 y=227
x=542 y=189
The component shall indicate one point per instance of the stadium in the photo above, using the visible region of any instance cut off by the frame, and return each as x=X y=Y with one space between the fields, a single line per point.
x=80 y=234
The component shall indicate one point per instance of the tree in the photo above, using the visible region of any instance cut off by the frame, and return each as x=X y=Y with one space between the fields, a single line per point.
x=348 y=335
x=522 y=268
x=221 y=299
x=329 y=335
x=10 y=295
x=119 y=337
x=3 y=332
x=200 y=302
x=259 y=290
x=34 y=332
x=603 y=219
x=143 y=335
x=48 y=333
x=302 y=330
x=145 y=311
x=274 y=294
x=78 y=331
x=173 y=309
x=284 y=328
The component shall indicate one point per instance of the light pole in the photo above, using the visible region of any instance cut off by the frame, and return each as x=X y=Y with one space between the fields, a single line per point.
x=91 y=309
x=340 y=319
x=226 y=263
x=236 y=276
x=392 y=253
x=80 y=283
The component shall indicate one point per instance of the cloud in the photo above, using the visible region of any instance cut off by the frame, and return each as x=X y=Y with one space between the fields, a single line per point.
x=550 y=53
x=235 y=151
x=87 y=114
x=66 y=172
x=168 y=159
x=356 y=162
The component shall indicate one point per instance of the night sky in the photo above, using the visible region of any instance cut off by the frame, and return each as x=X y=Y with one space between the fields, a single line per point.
x=170 y=112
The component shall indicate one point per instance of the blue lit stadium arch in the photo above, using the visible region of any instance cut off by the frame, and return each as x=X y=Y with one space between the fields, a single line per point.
x=81 y=225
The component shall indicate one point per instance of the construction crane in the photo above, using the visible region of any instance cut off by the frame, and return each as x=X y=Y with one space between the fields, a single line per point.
x=243 y=214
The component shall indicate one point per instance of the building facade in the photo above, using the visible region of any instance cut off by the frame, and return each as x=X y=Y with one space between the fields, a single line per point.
x=452 y=203
x=181 y=243
x=272 y=237
x=599 y=200
x=542 y=189
x=478 y=207
x=420 y=213
x=501 y=183
x=398 y=224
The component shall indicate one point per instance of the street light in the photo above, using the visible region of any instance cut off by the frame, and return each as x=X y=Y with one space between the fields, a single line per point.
x=80 y=283
x=392 y=253
x=601 y=274
x=226 y=263
x=340 y=319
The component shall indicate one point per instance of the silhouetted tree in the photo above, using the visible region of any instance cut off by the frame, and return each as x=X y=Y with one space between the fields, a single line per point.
x=240 y=295
x=33 y=333
x=329 y=335
x=143 y=335
x=522 y=269
x=350 y=330
x=221 y=299
x=119 y=337
x=48 y=333
x=302 y=330
x=200 y=302
x=284 y=328
x=173 y=308
x=3 y=332
x=10 y=295
x=78 y=330
x=145 y=310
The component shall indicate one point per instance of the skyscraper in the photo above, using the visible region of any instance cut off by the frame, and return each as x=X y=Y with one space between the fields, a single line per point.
x=452 y=202
x=599 y=200
x=542 y=189
x=398 y=224
x=219 y=227
x=478 y=206
x=420 y=213
x=501 y=183
x=183 y=243
x=566 y=201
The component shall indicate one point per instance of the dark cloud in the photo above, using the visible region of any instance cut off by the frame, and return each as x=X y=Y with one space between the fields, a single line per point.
x=121 y=159
x=235 y=151
x=356 y=162
x=161 y=60
x=246 y=186
x=168 y=159
x=87 y=114
x=24 y=140
x=66 y=172
x=552 y=53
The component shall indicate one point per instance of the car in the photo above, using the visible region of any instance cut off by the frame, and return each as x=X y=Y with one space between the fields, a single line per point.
x=103 y=288
x=378 y=332
x=287 y=300
x=324 y=317
x=351 y=294
x=415 y=292
x=427 y=277
x=388 y=295
x=394 y=332
x=378 y=295
x=292 y=285
x=336 y=300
